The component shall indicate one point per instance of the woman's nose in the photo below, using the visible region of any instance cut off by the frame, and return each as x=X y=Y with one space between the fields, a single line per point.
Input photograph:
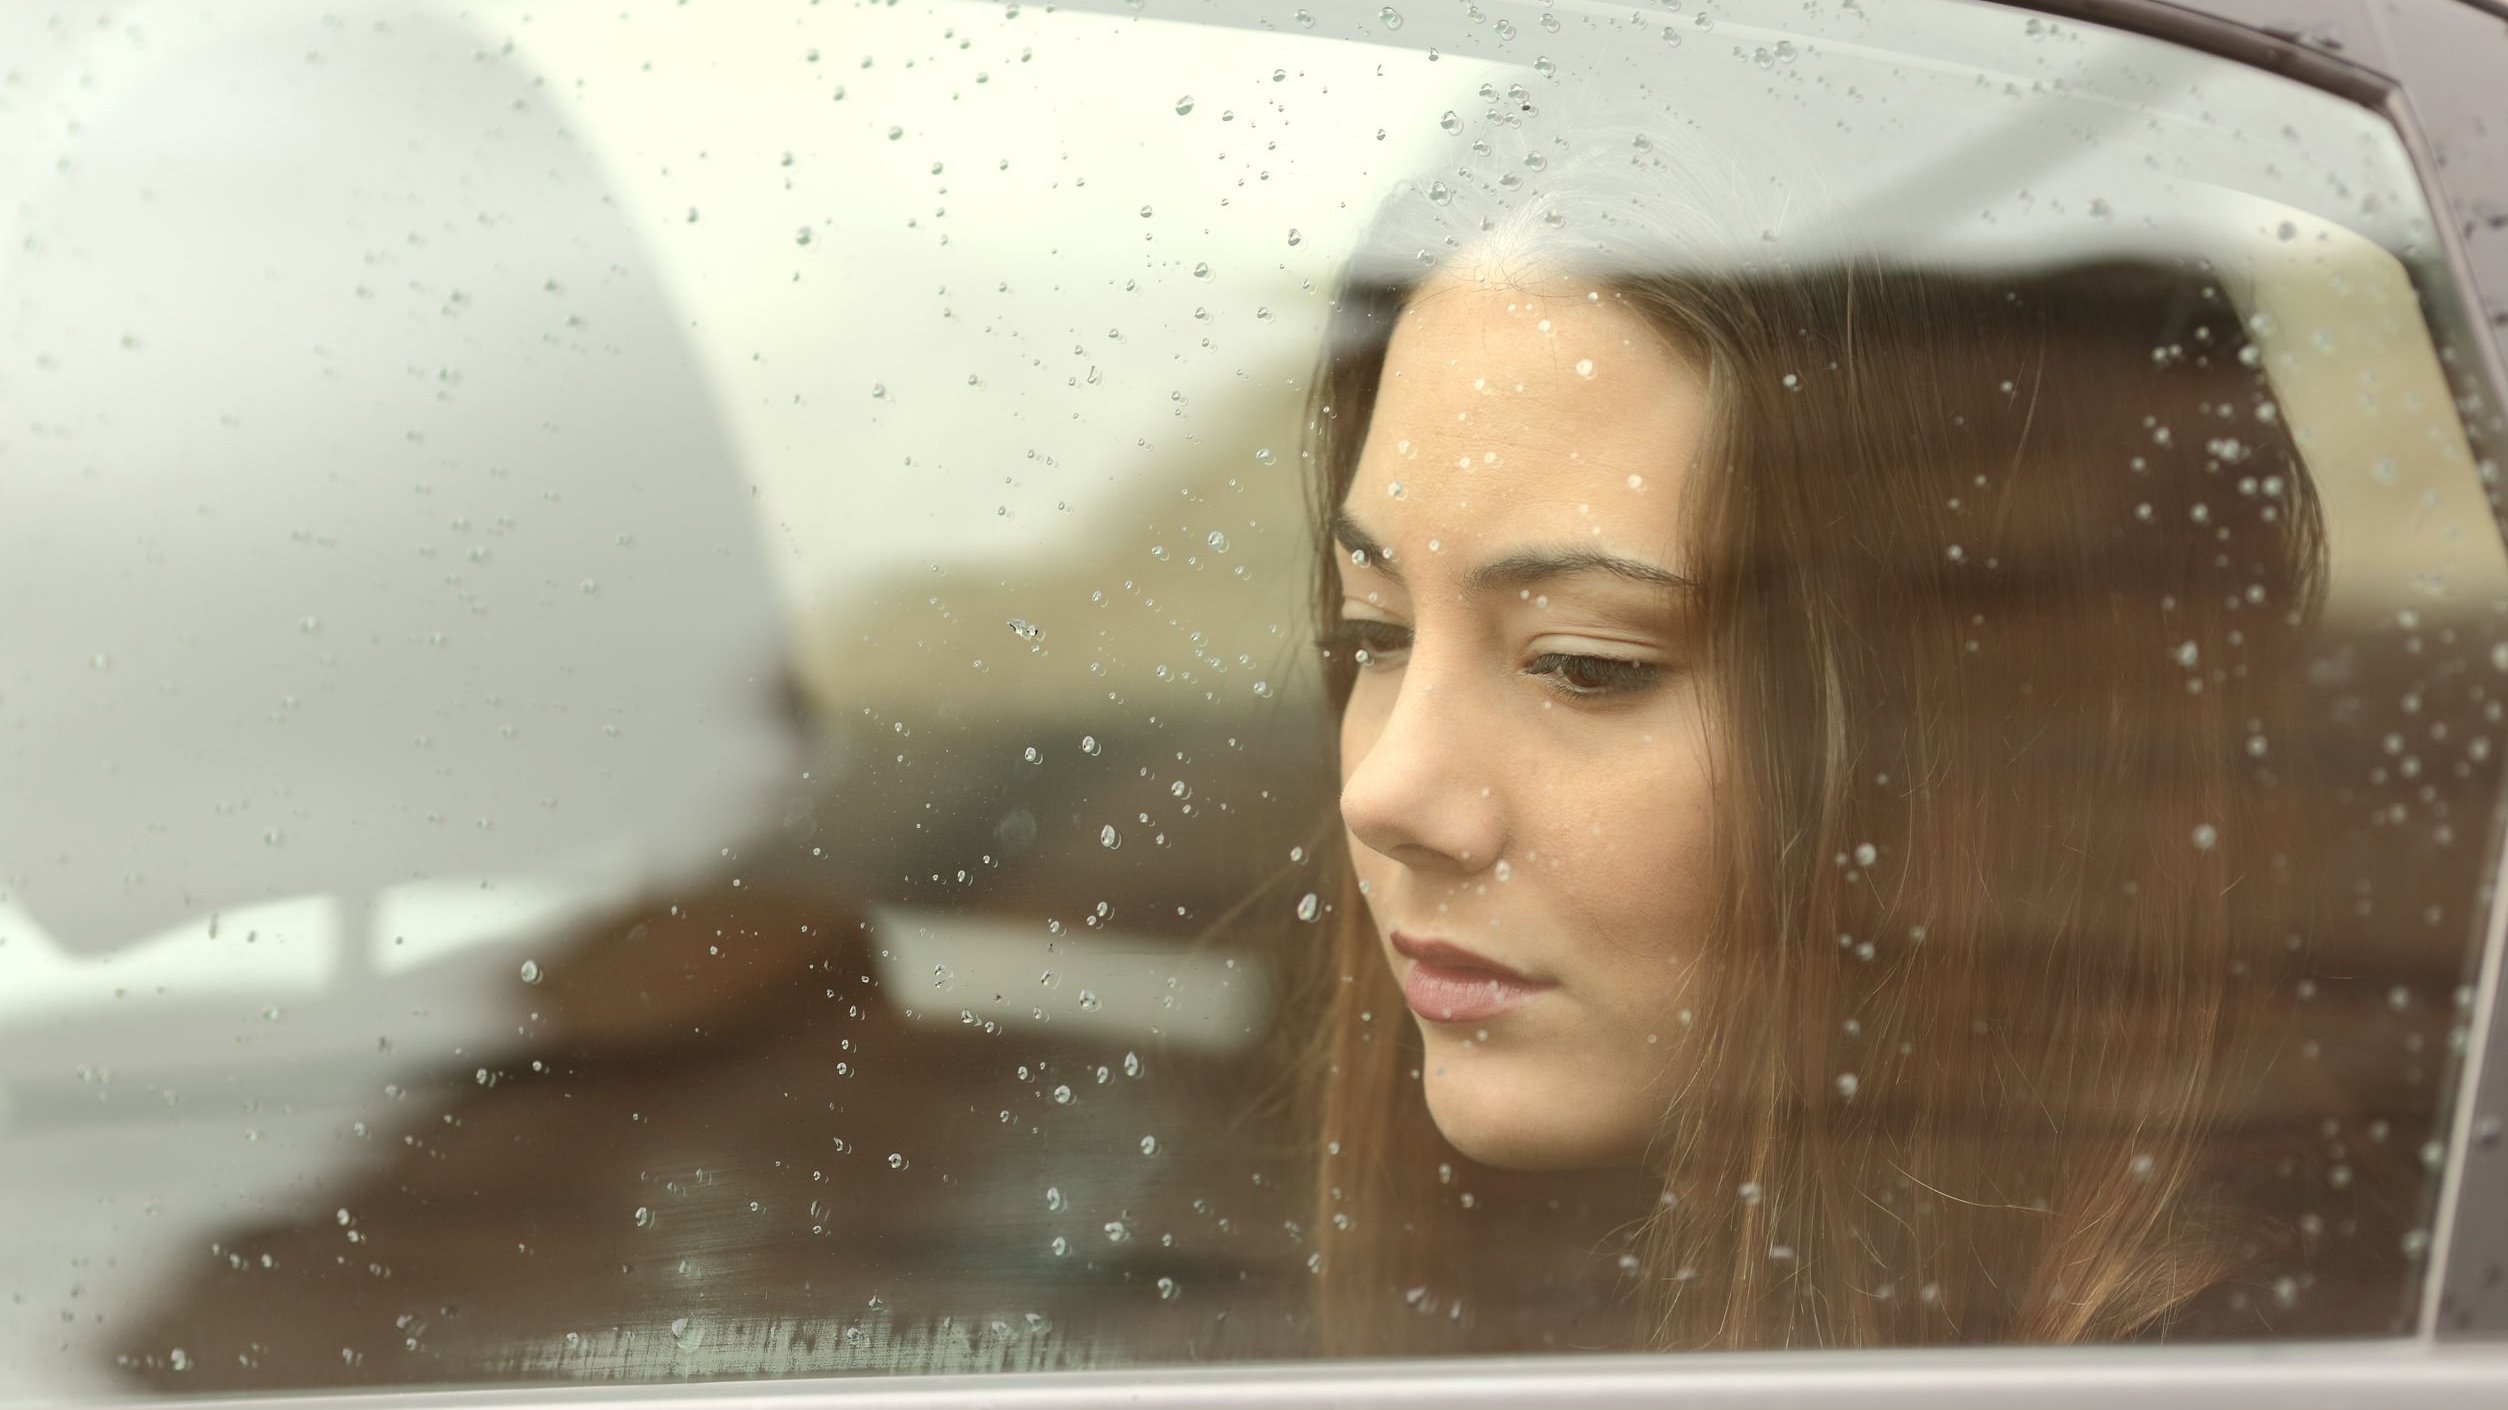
x=1419 y=786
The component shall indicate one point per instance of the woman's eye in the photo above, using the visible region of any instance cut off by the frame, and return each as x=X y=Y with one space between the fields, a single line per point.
x=1594 y=675
x=1365 y=642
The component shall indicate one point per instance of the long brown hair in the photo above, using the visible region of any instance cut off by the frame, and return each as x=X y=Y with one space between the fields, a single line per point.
x=2004 y=573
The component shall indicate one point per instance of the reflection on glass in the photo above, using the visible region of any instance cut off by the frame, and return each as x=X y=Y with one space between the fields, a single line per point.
x=954 y=688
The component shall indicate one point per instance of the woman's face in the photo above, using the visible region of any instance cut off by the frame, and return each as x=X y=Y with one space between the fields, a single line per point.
x=1524 y=760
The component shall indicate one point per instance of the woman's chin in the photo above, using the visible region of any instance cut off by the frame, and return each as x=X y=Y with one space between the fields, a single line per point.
x=1516 y=1121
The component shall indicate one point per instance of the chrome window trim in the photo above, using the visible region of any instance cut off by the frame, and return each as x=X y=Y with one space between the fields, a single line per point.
x=2393 y=1375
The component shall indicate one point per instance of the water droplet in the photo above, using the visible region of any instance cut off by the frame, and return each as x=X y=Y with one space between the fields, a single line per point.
x=1053 y=1196
x=1184 y=105
x=1115 y=1232
x=1505 y=870
x=530 y=971
x=1062 y=1094
x=1131 y=1064
x=1585 y=367
x=2286 y=230
x=1393 y=490
x=1847 y=1082
x=1264 y=456
x=644 y=1217
x=896 y=1162
x=1309 y=906
x=1218 y=541
x=1201 y=271
x=1866 y=854
x=2204 y=836
x=1108 y=838
x=179 y=1359
x=1167 y=1289
x=1149 y=1145
x=1032 y=756
x=878 y=390
x=1088 y=744
x=1452 y=121
x=1391 y=17
x=1294 y=237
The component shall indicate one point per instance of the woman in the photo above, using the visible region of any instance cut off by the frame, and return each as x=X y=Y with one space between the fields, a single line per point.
x=1817 y=752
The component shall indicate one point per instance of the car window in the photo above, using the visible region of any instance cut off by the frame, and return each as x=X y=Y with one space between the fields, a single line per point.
x=701 y=693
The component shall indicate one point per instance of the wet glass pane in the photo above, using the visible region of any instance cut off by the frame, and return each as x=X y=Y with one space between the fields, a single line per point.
x=705 y=692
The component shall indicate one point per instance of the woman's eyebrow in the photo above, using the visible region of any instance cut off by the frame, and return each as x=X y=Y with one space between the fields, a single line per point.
x=1518 y=570
x=1347 y=533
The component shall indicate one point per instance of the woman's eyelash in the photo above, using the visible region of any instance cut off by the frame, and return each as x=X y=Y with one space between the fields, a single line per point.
x=1363 y=640
x=1588 y=676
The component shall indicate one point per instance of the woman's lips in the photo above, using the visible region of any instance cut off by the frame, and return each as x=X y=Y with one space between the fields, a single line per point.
x=1449 y=984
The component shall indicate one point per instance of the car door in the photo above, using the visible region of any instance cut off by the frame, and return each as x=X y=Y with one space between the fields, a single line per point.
x=705 y=703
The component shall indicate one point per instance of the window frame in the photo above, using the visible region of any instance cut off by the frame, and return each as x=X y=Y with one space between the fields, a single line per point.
x=2408 y=63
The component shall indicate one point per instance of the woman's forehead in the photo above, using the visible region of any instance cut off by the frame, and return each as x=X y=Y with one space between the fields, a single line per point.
x=1515 y=396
